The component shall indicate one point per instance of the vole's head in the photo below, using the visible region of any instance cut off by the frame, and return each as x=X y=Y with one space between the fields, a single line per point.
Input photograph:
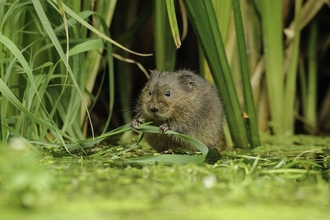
x=167 y=95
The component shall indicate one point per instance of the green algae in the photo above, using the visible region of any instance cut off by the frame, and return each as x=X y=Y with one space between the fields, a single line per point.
x=275 y=181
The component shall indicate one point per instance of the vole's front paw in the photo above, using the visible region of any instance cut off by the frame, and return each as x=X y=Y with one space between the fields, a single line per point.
x=135 y=124
x=163 y=128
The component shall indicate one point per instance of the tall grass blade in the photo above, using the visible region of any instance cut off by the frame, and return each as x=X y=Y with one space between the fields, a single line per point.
x=271 y=20
x=165 y=51
x=223 y=11
x=6 y=92
x=173 y=22
x=176 y=159
x=223 y=14
x=202 y=16
x=111 y=73
x=97 y=32
x=291 y=76
x=252 y=124
x=309 y=10
x=94 y=58
x=19 y=56
x=311 y=105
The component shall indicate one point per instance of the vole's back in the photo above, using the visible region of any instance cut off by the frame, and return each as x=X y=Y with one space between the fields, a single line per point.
x=183 y=102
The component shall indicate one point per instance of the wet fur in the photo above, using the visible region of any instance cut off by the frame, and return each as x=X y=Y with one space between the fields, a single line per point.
x=193 y=108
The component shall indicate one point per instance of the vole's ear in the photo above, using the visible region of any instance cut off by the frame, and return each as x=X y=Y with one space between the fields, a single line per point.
x=153 y=73
x=187 y=80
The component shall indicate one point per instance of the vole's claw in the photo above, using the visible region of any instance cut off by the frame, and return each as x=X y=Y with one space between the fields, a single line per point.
x=163 y=128
x=135 y=125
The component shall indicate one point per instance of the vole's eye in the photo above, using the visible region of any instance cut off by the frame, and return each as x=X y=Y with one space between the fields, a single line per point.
x=150 y=92
x=168 y=93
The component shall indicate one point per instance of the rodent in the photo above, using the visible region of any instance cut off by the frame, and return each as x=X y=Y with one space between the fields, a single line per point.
x=183 y=102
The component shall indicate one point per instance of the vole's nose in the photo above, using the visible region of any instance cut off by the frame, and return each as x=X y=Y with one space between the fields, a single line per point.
x=154 y=109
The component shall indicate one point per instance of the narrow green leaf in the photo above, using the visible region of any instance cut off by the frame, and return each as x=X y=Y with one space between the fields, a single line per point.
x=19 y=56
x=88 y=45
x=7 y=93
x=169 y=159
x=111 y=73
x=271 y=20
x=173 y=22
x=97 y=32
x=245 y=73
x=165 y=51
x=199 y=145
x=203 y=19
x=291 y=76
x=68 y=119
x=311 y=106
x=178 y=159
x=223 y=13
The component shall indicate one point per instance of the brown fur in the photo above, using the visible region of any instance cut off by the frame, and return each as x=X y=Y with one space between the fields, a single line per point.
x=183 y=102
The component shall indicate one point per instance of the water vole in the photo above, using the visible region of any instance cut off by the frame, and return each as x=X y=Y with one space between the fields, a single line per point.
x=181 y=101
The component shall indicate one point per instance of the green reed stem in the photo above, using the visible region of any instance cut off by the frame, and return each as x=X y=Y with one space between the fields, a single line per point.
x=291 y=77
x=203 y=19
x=252 y=125
x=271 y=17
